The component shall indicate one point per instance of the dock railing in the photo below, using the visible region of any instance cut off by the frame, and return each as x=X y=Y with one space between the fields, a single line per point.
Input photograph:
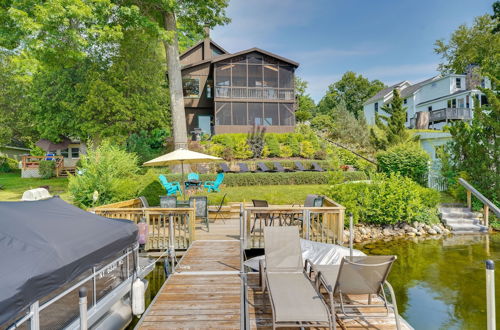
x=487 y=204
x=158 y=222
x=320 y=224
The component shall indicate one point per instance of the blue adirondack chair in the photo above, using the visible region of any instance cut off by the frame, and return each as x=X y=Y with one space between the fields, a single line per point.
x=192 y=177
x=172 y=188
x=214 y=185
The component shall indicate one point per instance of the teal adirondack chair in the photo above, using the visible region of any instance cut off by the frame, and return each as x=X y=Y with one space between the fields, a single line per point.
x=214 y=185
x=172 y=188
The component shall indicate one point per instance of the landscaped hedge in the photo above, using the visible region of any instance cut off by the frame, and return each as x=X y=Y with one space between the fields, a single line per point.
x=409 y=160
x=264 y=179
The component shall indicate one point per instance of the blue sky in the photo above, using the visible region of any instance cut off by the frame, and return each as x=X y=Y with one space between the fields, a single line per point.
x=389 y=40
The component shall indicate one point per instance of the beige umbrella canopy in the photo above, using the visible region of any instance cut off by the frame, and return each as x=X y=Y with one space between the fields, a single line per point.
x=181 y=156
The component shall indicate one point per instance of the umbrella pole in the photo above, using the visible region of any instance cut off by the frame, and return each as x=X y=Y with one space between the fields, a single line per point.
x=183 y=185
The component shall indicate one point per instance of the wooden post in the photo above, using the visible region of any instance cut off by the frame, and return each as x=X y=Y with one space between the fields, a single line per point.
x=469 y=199
x=486 y=212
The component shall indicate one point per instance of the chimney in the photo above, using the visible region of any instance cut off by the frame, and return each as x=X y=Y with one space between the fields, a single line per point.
x=207 y=52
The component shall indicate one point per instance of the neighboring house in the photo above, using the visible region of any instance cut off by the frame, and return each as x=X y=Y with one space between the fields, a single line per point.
x=65 y=154
x=229 y=93
x=13 y=151
x=435 y=101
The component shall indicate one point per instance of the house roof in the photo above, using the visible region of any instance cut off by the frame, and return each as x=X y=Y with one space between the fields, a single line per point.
x=255 y=49
x=408 y=91
x=447 y=96
x=213 y=43
x=383 y=92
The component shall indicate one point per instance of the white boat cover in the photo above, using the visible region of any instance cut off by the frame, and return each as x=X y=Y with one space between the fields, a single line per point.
x=35 y=194
x=318 y=253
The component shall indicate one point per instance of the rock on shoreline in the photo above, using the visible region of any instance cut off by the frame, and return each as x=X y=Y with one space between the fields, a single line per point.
x=367 y=232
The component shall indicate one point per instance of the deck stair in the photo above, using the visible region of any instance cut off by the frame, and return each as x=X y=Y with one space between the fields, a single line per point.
x=66 y=171
x=460 y=219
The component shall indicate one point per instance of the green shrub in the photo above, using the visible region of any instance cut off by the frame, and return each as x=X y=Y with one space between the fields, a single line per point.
x=152 y=192
x=242 y=150
x=47 y=169
x=265 y=152
x=387 y=200
x=320 y=154
x=293 y=143
x=408 y=159
x=306 y=149
x=147 y=144
x=264 y=179
x=285 y=151
x=216 y=150
x=273 y=145
x=110 y=171
x=7 y=164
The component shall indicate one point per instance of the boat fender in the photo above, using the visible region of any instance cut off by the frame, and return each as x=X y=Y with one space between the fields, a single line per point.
x=138 y=304
x=143 y=231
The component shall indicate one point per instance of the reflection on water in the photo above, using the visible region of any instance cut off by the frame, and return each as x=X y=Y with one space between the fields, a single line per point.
x=440 y=283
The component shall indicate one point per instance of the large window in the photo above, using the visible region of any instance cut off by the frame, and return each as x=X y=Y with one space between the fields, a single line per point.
x=255 y=76
x=191 y=87
x=223 y=113
x=270 y=76
x=286 y=76
x=254 y=113
x=239 y=113
x=239 y=74
x=223 y=73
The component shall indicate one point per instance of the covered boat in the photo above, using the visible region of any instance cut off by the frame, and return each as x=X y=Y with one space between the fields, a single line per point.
x=46 y=244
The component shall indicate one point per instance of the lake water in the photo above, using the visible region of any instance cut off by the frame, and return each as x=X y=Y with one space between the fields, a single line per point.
x=440 y=283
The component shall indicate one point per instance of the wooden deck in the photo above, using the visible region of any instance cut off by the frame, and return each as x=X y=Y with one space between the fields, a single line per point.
x=206 y=290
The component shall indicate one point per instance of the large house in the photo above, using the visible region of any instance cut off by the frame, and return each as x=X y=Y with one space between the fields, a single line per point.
x=434 y=102
x=230 y=93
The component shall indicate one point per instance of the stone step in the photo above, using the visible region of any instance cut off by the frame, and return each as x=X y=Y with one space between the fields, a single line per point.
x=456 y=228
x=467 y=215
x=453 y=209
x=468 y=221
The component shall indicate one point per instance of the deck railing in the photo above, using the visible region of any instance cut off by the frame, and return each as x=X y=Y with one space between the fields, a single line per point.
x=33 y=162
x=261 y=93
x=158 y=220
x=487 y=204
x=320 y=224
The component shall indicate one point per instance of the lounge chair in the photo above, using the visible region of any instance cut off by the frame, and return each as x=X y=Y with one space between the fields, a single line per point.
x=144 y=202
x=263 y=167
x=169 y=202
x=300 y=167
x=172 y=188
x=316 y=167
x=214 y=185
x=201 y=208
x=225 y=168
x=244 y=168
x=295 y=300
x=280 y=168
x=357 y=275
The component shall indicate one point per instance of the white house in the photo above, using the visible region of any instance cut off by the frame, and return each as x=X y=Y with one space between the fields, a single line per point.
x=438 y=100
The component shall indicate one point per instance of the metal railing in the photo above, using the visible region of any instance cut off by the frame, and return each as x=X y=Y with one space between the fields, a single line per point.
x=320 y=224
x=487 y=204
x=158 y=222
x=261 y=93
x=125 y=260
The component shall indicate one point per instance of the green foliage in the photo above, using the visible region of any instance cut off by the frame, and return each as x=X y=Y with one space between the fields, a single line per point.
x=47 y=169
x=323 y=123
x=263 y=179
x=152 y=192
x=306 y=149
x=147 y=144
x=351 y=90
x=7 y=164
x=273 y=145
x=348 y=130
x=110 y=171
x=216 y=150
x=256 y=141
x=286 y=151
x=386 y=200
x=394 y=129
x=242 y=150
x=305 y=104
x=409 y=160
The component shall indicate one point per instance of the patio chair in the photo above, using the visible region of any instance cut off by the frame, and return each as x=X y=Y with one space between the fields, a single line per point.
x=201 y=208
x=316 y=167
x=295 y=300
x=280 y=168
x=172 y=188
x=218 y=213
x=214 y=185
x=262 y=216
x=244 y=168
x=225 y=168
x=357 y=275
x=192 y=177
x=169 y=202
x=263 y=168
x=300 y=167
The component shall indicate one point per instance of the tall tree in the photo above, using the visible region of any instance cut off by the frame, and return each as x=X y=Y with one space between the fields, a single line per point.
x=305 y=104
x=352 y=90
x=392 y=127
x=478 y=44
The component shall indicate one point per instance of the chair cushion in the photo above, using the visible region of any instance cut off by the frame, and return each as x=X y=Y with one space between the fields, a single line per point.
x=295 y=299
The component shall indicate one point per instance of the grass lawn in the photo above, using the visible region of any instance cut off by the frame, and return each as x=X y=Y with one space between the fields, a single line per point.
x=14 y=186
x=280 y=194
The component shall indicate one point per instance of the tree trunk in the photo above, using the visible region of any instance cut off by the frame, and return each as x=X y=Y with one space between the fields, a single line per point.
x=175 y=84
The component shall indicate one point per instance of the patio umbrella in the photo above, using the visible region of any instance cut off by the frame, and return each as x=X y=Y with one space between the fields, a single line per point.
x=181 y=156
